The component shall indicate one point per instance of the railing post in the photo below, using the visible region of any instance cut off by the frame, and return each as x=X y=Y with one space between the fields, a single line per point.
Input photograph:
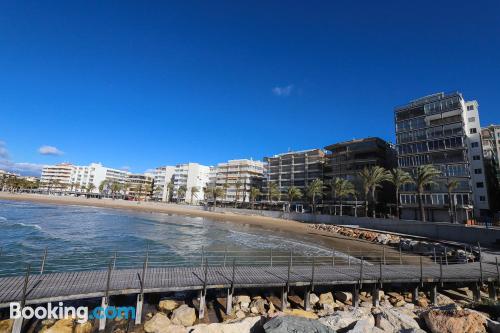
x=271 y=257
x=434 y=253
x=361 y=273
x=446 y=255
x=203 y=293
x=472 y=253
x=415 y=295
x=480 y=264
x=400 y=255
x=441 y=271
x=140 y=296
x=105 y=300
x=18 y=322
x=434 y=294
x=230 y=291
x=284 y=292
x=291 y=258
x=225 y=255
x=383 y=252
x=421 y=272
x=333 y=258
x=381 y=274
x=44 y=258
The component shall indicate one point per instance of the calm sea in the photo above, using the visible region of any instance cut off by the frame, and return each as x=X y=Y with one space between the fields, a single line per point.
x=81 y=238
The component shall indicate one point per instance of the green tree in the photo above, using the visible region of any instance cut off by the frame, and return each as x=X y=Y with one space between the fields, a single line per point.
x=399 y=178
x=237 y=196
x=372 y=179
x=170 y=191
x=293 y=193
x=254 y=194
x=103 y=185
x=90 y=187
x=425 y=176
x=343 y=189
x=451 y=185
x=115 y=188
x=273 y=192
x=181 y=193
x=315 y=190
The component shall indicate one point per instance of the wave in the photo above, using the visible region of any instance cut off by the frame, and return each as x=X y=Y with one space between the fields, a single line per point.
x=21 y=224
x=3 y=218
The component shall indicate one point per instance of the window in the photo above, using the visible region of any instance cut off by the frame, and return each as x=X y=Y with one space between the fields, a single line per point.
x=474 y=144
x=482 y=198
x=476 y=157
x=472 y=119
x=473 y=130
x=470 y=107
x=478 y=171
x=479 y=184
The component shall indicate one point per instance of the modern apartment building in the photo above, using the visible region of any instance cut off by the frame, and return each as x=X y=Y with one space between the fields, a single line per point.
x=57 y=177
x=162 y=177
x=95 y=174
x=490 y=137
x=442 y=130
x=296 y=168
x=237 y=177
x=190 y=175
x=140 y=186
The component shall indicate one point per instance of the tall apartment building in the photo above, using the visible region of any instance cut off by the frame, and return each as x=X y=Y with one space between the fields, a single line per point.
x=57 y=177
x=140 y=186
x=442 y=130
x=490 y=137
x=298 y=168
x=237 y=177
x=95 y=174
x=162 y=177
x=190 y=175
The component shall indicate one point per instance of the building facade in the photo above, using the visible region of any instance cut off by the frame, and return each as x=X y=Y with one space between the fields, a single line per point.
x=442 y=130
x=490 y=137
x=57 y=177
x=162 y=177
x=190 y=176
x=140 y=186
x=298 y=168
x=95 y=174
x=237 y=177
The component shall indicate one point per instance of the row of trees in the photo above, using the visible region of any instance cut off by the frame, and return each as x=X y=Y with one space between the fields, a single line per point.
x=15 y=184
x=371 y=179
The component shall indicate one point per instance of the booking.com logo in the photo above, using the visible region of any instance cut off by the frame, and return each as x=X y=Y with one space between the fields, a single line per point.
x=80 y=314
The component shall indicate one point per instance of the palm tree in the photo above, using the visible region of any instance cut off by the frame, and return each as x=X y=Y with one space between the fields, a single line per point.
x=125 y=187
x=344 y=188
x=451 y=185
x=315 y=189
x=170 y=189
x=372 y=179
x=273 y=192
x=102 y=186
x=425 y=176
x=214 y=192
x=225 y=187
x=158 y=190
x=293 y=193
x=115 y=188
x=332 y=185
x=238 y=187
x=194 y=190
x=254 y=194
x=90 y=187
x=399 y=178
x=181 y=193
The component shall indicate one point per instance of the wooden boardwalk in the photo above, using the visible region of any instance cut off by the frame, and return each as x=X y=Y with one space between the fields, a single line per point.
x=53 y=287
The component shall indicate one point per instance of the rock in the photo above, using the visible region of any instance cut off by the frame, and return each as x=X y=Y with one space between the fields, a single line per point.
x=250 y=324
x=455 y=321
x=157 y=324
x=66 y=326
x=241 y=299
x=343 y=319
x=287 y=324
x=184 y=315
x=6 y=325
x=258 y=306
x=301 y=313
x=423 y=302
x=363 y=326
x=493 y=326
x=168 y=305
x=176 y=329
x=444 y=300
x=365 y=304
x=240 y=314
x=343 y=296
x=326 y=298
x=383 y=238
x=272 y=309
x=313 y=299
x=394 y=320
x=399 y=303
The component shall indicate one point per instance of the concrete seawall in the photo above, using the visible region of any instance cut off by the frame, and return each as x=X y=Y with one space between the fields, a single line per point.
x=433 y=230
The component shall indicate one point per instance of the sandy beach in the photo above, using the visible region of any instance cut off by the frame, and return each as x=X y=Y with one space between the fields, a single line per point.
x=338 y=242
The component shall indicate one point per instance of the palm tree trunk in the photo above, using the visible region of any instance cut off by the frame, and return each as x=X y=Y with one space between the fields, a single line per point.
x=421 y=206
x=397 y=203
x=340 y=206
x=450 y=206
x=374 y=203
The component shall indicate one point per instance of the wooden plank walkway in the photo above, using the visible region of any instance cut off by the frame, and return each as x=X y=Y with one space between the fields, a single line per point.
x=54 y=287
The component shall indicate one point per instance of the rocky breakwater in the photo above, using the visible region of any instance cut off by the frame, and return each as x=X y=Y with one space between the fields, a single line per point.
x=402 y=243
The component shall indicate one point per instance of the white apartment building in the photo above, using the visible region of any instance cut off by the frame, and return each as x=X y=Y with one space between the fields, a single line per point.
x=95 y=174
x=140 y=186
x=162 y=176
x=237 y=177
x=191 y=175
x=57 y=177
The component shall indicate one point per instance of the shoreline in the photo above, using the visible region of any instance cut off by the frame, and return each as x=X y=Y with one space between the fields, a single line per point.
x=337 y=242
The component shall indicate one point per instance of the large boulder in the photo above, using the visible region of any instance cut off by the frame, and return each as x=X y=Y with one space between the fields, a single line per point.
x=176 y=329
x=363 y=326
x=313 y=299
x=6 y=325
x=301 y=313
x=158 y=324
x=167 y=305
x=326 y=298
x=250 y=324
x=455 y=321
x=259 y=306
x=394 y=320
x=343 y=296
x=184 y=315
x=287 y=324
x=66 y=326
x=343 y=319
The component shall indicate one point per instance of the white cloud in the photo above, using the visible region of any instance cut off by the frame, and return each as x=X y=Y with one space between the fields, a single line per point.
x=283 y=91
x=23 y=168
x=49 y=150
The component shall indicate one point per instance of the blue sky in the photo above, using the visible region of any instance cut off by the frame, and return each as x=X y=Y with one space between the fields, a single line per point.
x=143 y=84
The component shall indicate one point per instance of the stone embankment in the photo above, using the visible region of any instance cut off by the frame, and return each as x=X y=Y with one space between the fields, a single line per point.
x=330 y=312
x=415 y=246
